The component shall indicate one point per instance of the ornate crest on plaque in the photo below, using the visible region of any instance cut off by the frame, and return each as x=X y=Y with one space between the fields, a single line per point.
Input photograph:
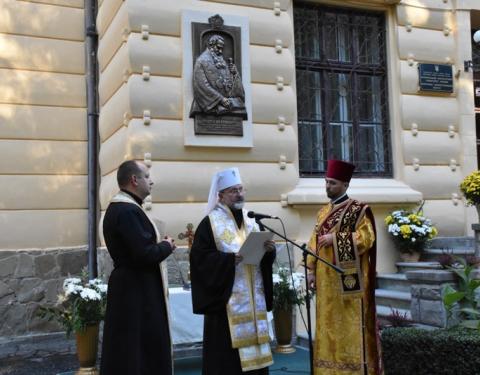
x=218 y=106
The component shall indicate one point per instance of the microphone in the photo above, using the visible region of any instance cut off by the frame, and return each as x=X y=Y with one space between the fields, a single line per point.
x=258 y=216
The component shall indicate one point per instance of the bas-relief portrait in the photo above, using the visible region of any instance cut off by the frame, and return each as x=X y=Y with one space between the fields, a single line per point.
x=218 y=105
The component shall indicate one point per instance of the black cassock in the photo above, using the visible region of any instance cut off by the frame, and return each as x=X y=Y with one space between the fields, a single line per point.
x=136 y=337
x=212 y=274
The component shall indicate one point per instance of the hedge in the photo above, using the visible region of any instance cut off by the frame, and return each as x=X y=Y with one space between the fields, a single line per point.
x=421 y=352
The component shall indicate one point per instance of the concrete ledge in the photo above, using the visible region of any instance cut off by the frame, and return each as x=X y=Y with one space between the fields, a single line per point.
x=312 y=191
x=431 y=276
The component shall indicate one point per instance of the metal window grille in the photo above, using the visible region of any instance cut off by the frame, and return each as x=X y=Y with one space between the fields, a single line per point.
x=341 y=74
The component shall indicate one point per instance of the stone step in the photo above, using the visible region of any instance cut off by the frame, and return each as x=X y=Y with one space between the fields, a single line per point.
x=393 y=298
x=434 y=253
x=393 y=281
x=453 y=243
x=412 y=266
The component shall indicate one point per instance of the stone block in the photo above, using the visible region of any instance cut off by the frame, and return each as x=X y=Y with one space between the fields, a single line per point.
x=415 y=309
x=6 y=254
x=430 y=276
x=432 y=313
x=25 y=266
x=52 y=289
x=5 y=290
x=104 y=263
x=8 y=266
x=31 y=290
x=45 y=266
x=14 y=320
x=426 y=291
x=72 y=262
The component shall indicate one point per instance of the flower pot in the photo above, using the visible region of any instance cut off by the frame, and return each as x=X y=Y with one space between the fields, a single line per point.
x=410 y=257
x=87 y=346
x=283 y=330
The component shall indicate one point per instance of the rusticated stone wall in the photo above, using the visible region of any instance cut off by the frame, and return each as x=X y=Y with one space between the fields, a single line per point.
x=30 y=279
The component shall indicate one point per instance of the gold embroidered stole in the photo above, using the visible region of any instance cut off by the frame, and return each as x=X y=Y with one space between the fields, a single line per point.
x=126 y=198
x=246 y=308
x=341 y=222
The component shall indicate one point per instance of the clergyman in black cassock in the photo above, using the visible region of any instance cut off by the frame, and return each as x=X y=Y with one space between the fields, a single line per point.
x=136 y=336
x=212 y=278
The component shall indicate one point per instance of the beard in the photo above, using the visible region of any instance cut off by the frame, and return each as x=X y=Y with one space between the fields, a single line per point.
x=238 y=205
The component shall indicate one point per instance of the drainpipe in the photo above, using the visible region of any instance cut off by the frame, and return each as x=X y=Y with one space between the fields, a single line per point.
x=91 y=42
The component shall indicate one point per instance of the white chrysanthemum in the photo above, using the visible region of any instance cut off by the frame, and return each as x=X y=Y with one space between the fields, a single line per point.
x=394 y=228
x=95 y=282
x=413 y=239
x=90 y=294
x=73 y=289
x=71 y=281
x=102 y=288
x=276 y=278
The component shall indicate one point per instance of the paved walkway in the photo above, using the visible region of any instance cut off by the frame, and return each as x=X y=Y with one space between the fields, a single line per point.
x=296 y=364
x=42 y=366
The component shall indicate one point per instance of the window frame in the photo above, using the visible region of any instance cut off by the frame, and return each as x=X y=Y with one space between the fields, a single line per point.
x=354 y=70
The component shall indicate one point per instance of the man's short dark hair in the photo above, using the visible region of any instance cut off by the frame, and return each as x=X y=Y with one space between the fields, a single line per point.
x=126 y=170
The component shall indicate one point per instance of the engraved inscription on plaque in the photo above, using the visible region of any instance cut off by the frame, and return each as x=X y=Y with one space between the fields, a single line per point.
x=436 y=78
x=218 y=106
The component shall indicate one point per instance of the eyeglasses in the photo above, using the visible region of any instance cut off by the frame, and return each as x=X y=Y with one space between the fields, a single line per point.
x=240 y=190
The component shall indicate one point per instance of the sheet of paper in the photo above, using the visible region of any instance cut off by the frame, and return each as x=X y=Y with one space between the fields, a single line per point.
x=252 y=249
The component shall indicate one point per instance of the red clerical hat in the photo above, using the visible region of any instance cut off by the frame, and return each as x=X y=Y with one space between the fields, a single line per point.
x=340 y=170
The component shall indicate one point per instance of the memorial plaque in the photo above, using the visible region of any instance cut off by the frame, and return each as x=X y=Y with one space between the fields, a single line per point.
x=218 y=106
x=436 y=78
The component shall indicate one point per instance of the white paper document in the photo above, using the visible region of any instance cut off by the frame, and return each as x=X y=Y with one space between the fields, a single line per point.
x=252 y=249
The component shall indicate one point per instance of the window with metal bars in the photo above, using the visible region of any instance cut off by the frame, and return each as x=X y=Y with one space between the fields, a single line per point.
x=341 y=75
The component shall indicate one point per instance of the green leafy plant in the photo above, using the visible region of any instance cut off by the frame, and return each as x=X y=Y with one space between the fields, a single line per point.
x=410 y=231
x=464 y=296
x=81 y=304
x=288 y=289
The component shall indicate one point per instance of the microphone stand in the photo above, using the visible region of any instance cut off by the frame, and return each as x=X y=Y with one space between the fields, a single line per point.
x=306 y=252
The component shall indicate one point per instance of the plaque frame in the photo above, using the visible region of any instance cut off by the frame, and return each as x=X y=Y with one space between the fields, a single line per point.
x=207 y=140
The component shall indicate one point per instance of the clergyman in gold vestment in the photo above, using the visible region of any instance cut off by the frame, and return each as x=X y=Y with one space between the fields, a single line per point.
x=346 y=339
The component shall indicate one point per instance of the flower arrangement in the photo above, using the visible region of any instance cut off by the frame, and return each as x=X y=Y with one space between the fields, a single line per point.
x=470 y=187
x=411 y=232
x=288 y=289
x=81 y=304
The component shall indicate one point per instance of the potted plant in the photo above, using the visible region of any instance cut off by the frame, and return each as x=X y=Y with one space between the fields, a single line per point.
x=411 y=232
x=470 y=187
x=288 y=290
x=80 y=309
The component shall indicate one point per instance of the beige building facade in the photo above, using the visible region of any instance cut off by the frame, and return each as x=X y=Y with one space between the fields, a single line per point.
x=144 y=98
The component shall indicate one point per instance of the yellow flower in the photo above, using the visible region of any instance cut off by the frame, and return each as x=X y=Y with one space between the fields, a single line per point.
x=389 y=220
x=405 y=230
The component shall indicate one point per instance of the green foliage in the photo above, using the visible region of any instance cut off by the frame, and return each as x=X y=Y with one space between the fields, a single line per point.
x=288 y=289
x=82 y=303
x=465 y=296
x=438 y=352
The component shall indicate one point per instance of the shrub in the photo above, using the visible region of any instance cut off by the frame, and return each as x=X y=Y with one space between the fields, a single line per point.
x=439 y=352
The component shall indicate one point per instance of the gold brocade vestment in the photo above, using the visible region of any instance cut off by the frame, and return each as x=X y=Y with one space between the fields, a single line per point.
x=346 y=335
